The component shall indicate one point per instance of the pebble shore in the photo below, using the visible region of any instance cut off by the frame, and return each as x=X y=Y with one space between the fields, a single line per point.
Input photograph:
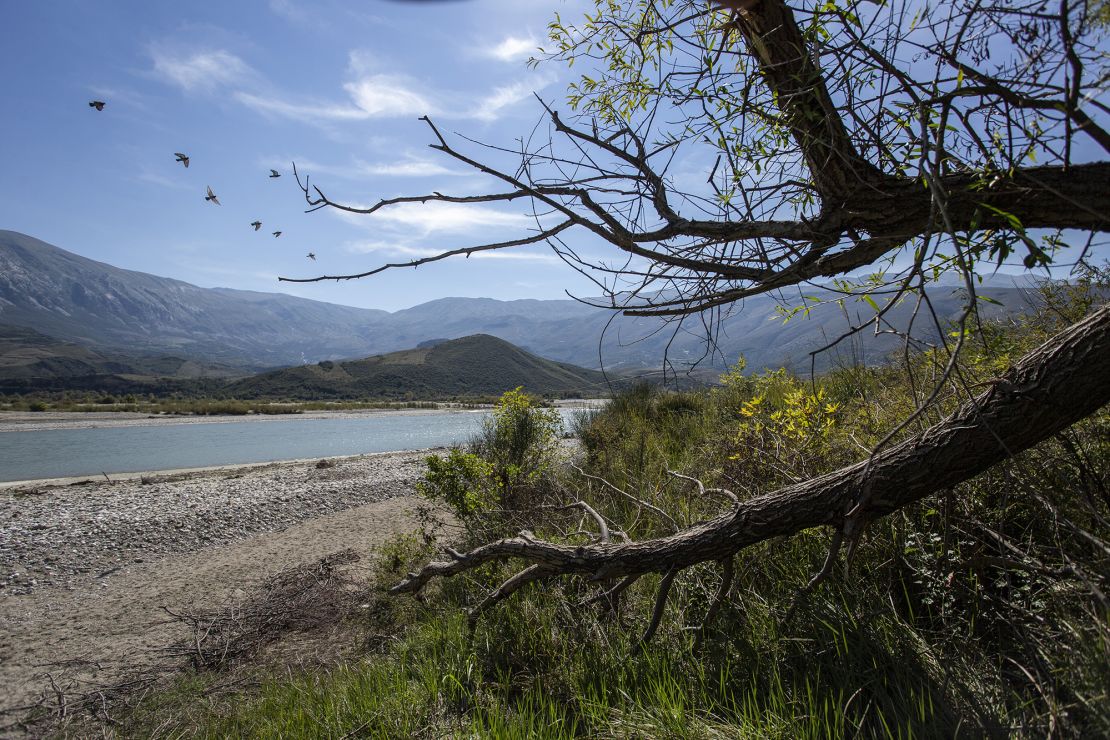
x=57 y=535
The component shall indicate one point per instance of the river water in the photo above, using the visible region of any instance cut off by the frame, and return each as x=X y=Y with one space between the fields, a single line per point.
x=55 y=453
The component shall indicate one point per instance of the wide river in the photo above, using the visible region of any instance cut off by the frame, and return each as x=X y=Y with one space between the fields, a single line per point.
x=55 y=453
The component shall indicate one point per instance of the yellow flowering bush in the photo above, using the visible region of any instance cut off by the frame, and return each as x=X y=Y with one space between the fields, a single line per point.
x=784 y=431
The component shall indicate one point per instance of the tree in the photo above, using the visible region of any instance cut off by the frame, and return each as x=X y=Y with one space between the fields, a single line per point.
x=913 y=139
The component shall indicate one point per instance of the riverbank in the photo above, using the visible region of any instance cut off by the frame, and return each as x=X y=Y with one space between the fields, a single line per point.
x=30 y=421
x=85 y=570
x=57 y=531
x=35 y=421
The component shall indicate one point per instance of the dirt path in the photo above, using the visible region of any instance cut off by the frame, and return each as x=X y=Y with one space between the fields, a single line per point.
x=118 y=621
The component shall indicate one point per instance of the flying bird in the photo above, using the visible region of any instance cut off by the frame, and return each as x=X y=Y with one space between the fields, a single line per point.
x=256 y=224
x=98 y=104
x=274 y=173
x=311 y=256
x=182 y=158
x=212 y=196
x=277 y=234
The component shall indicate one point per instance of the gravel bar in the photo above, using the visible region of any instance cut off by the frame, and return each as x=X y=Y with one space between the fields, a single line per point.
x=55 y=535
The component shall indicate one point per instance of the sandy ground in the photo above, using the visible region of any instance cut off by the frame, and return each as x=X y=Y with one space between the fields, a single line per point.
x=117 y=620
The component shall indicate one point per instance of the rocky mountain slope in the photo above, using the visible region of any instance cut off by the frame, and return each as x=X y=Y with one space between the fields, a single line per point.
x=69 y=297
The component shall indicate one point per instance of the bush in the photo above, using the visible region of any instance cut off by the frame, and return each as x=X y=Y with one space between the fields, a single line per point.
x=513 y=452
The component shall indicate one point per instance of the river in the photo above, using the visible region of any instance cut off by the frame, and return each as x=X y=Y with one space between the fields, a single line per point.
x=56 y=453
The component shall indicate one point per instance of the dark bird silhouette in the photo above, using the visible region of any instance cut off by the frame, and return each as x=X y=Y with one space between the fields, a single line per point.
x=275 y=173
x=277 y=234
x=212 y=196
x=182 y=158
x=311 y=256
x=256 y=224
x=98 y=104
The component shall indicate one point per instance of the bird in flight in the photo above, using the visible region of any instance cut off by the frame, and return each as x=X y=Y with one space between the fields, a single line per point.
x=256 y=224
x=182 y=158
x=311 y=256
x=274 y=173
x=277 y=234
x=98 y=104
x=212 y=196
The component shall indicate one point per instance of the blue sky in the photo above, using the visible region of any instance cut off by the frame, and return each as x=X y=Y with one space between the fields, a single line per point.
x=248 y=85
x=242 y=87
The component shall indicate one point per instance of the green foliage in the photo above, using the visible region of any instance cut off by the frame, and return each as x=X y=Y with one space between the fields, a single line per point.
x=978 y=612
x=783 y=432
x=645 y=431
x=462 y=480
x=513 y=452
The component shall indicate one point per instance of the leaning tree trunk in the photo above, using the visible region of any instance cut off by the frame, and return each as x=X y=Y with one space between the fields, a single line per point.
x=1062 y=381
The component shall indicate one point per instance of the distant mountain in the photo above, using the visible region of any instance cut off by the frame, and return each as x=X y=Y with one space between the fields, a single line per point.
x=63 y=295
x=102 y=307
x=478 y=365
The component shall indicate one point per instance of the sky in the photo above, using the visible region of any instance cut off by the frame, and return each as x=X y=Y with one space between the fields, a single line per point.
x=242 y=87
x=245 y=86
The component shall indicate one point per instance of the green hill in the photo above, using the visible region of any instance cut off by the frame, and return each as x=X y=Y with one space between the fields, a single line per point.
x=478 y=365
x=27 y=355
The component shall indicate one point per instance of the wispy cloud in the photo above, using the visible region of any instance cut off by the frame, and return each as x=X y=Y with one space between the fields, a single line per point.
x=376 y=96
x=118 y=95
x=309 y=111
x=391 y=249
x=412 y=168
x=512 y=48
x=370 y=94
x=384 y=95
x=155 y=179
x=359 y=169
x=439 y=218
x=291 y=11
x=200 y=70
x=490 y=107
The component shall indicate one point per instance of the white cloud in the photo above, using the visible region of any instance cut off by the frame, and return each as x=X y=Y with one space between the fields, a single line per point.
x=489 y=107
x=437 y=218
x=514 y=253
x=300 y=111
x=202 y=70
x=358 y=169
x=381 y=96
x=385 y=248
x=370 y=95
x=376 y=246
x=512 y=48
x=411 y=168
x=376 y=96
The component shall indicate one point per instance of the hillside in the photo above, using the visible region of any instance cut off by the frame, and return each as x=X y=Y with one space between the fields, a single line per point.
x=63 y=295
x=26 y=354
x=72 y=298
x=478 y=365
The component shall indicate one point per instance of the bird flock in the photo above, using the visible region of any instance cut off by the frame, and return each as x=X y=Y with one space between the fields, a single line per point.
x=210 y=197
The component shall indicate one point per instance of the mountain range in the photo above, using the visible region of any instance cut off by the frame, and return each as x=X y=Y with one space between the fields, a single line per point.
x=116 y=313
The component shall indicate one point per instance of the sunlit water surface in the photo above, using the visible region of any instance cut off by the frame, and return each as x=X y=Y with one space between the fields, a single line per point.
x=52 y=453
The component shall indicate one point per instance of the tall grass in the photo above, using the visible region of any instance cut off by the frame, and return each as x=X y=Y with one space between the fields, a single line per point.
x=977 y=613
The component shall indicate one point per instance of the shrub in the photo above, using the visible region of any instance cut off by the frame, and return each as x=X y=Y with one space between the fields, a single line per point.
x=513 y=452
